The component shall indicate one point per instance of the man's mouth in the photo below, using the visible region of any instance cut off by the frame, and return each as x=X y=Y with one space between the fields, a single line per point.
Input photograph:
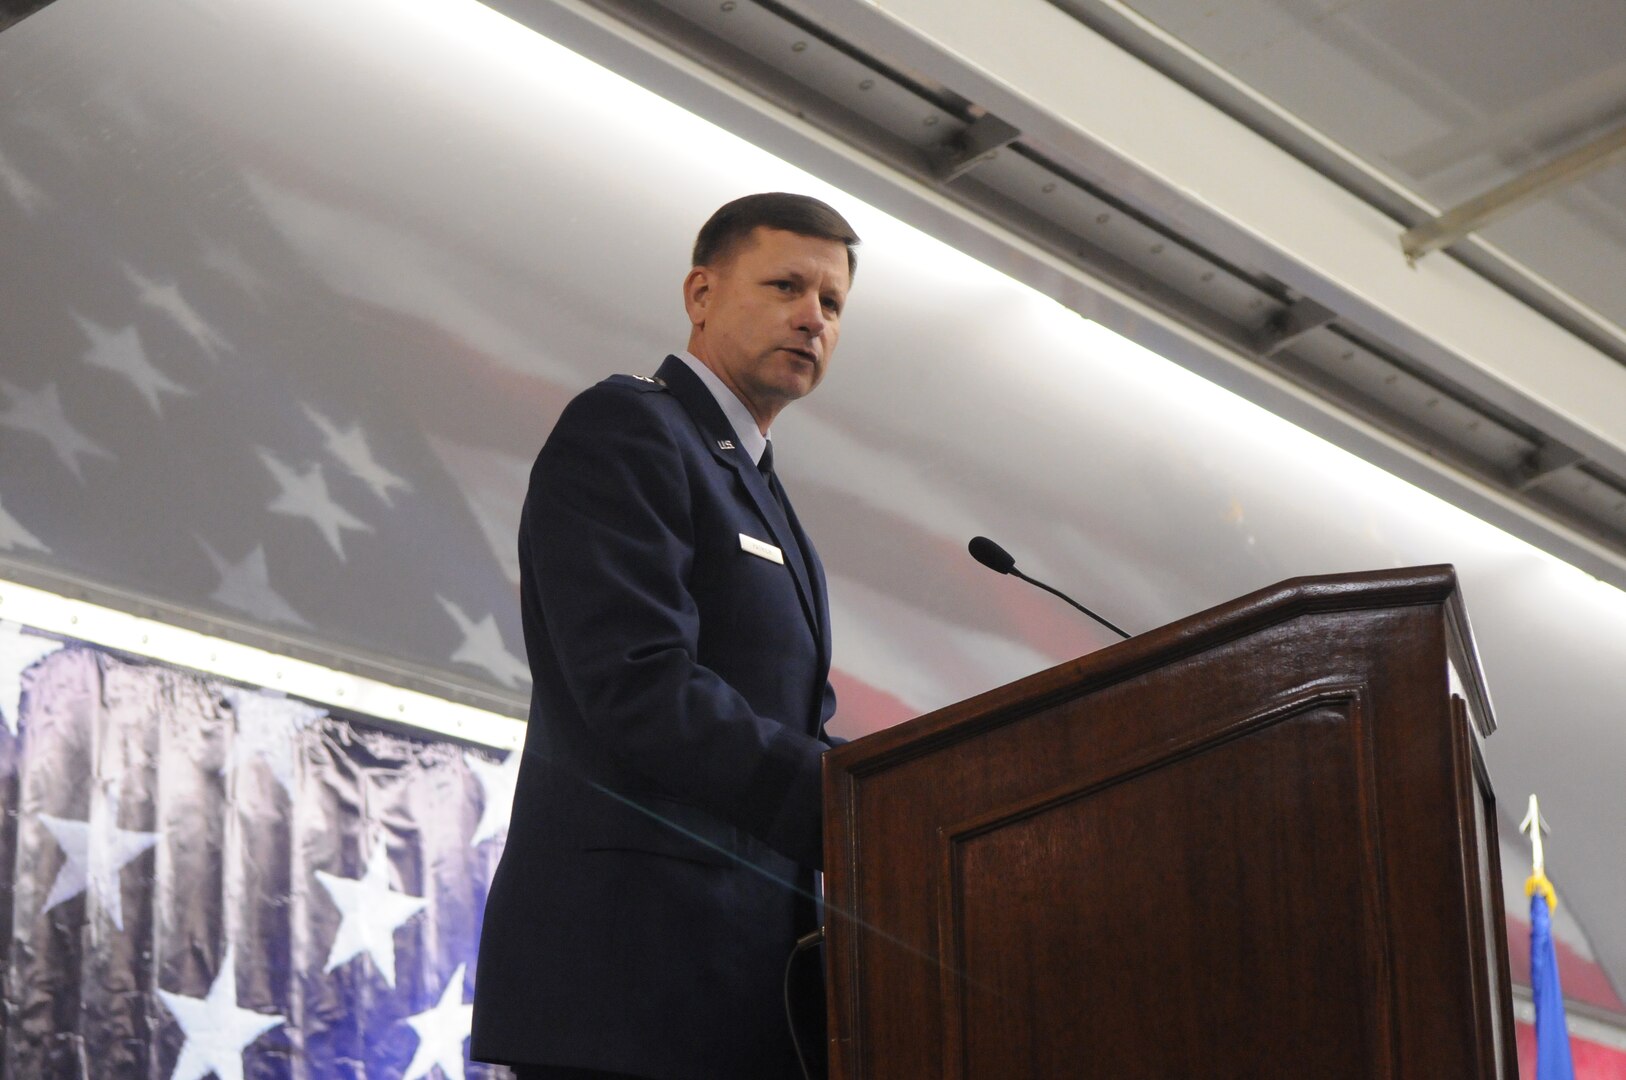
x=805 y=354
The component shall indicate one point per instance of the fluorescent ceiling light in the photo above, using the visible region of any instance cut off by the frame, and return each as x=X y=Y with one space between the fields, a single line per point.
x=132 y=634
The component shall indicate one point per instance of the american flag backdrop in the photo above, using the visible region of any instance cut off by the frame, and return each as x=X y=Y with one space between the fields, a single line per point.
x=284 y=360
x=202 y=878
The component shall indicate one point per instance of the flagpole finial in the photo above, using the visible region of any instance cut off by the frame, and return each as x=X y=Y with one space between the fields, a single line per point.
x=1534 y=825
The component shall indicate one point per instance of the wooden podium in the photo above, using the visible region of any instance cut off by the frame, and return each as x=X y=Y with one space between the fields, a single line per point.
x=1258 y=842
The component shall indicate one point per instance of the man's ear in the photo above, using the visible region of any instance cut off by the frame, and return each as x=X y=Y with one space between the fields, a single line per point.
x=697 y=287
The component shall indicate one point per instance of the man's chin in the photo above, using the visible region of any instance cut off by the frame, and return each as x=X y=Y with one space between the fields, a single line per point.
x=798 y=382
x=800 y=388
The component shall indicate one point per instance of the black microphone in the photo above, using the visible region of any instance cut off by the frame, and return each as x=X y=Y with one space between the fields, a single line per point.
x=1001 y=561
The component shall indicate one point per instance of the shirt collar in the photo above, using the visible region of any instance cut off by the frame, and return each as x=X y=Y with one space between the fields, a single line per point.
x=751 y=438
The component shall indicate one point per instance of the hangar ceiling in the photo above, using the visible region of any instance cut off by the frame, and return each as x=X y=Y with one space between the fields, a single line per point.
x=1421 y=107
x=1414 y=108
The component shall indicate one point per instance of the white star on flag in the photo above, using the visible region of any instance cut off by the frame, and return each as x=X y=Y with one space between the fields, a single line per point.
x=305 y=495
x=442 y=1031
x=216 y=1030
x=121 y=353
x=97 y=851
x=350 y=447
x=13 y=535
x=246 y=586
x=226 y=261
x=29 y=196
x=493 y=485
x=18 y=653
x=168 y=299
x=483 y=647
x=268 y=728
x=497 y=782
x=40 y=413
x=370 y=913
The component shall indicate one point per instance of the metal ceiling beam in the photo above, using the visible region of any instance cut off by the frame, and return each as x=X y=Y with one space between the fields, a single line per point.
x=975 y=144
x=1300 y=317
x=1550 y=459
x=1122 y=125
x=1141 y=37
x=1504 y=199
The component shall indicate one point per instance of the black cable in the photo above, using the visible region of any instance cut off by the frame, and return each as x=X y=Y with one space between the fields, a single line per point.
x=805 y=942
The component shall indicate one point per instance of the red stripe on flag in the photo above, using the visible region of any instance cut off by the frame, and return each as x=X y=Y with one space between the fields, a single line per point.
x=862 y=709
x=1593 y=1061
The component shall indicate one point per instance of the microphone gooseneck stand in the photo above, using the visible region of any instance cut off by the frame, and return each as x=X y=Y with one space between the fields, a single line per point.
x=1001 y=561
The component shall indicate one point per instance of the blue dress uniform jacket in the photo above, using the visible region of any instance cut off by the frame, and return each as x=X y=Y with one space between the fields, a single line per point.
x=667 y=819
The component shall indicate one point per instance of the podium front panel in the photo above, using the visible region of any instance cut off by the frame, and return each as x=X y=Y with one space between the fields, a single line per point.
x=1242 y=845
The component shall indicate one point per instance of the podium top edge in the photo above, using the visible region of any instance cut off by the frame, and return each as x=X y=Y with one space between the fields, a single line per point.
x=1414 y=586
x=1402 y=587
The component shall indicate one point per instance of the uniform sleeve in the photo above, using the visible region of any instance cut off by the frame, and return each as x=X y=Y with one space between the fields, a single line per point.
x=606 y=536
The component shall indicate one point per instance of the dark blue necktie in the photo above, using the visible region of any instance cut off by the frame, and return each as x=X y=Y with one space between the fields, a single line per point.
x=766 y=467
x=792 y=545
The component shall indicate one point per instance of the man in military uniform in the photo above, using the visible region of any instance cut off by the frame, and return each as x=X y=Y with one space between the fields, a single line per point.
x=667 y=824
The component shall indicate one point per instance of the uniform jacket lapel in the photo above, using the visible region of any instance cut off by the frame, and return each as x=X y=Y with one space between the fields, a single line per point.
x=816 y=568
x=717 y=431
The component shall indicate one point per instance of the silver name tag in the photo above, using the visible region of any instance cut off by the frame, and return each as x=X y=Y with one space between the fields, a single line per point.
x=761 y=549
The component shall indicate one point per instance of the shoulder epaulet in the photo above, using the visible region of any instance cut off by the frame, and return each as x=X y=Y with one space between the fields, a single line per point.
x=647 y=383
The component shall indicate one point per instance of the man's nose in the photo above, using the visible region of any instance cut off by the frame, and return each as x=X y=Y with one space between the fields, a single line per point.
x=809 y=315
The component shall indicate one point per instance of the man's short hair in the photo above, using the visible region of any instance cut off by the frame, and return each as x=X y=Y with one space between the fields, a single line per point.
x=801 y=214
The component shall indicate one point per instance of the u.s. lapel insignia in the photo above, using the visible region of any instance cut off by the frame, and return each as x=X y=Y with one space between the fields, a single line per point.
x=725 y=444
